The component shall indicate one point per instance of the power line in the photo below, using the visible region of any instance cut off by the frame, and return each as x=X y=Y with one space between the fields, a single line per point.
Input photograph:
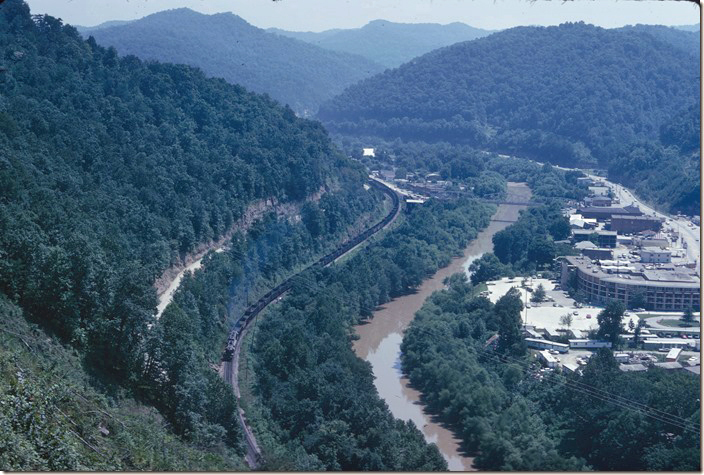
x=620 y=401
x=595 y=392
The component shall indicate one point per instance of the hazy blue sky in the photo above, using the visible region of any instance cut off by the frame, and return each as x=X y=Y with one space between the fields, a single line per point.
x=317 y=15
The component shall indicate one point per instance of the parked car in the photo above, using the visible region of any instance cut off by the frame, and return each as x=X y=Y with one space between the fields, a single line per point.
x=589 y=316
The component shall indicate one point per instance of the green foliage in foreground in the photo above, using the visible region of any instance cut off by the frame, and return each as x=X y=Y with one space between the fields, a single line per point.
x=51 y=416
x=515 y=419
x=443 y=352
x=312 y=387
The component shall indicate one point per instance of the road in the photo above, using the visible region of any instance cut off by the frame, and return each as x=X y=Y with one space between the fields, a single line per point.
x=689 y=232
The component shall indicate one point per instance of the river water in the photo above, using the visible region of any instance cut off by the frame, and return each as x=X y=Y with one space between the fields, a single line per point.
x=380 y=339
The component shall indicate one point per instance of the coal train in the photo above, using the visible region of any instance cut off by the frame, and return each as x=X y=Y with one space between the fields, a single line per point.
x=254 y=309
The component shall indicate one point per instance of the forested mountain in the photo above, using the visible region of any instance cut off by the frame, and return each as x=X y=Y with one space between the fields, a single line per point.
x=570 y=94
x=388 y=43
x=665 y=171
x=685 y=40
x=111 y=169
x=694 y=28
x=224 y=45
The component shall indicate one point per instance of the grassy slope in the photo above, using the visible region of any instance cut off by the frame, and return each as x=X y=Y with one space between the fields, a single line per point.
x=53 y=415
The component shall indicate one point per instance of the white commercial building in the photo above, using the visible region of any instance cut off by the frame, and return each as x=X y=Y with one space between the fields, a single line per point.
x=549 y=360
x=546 y=345
x=673 y=354
x=655 y=255
x=656 y=343
x=588 y=344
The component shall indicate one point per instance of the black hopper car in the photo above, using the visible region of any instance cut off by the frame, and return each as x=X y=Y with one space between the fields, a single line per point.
x=254 y=309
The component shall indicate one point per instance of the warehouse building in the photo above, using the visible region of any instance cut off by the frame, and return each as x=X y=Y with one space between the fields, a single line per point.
x=589 y=344
x=633 y=224
x=541 y=344
x=604 y=213
x=597 y=201
x=657 y=343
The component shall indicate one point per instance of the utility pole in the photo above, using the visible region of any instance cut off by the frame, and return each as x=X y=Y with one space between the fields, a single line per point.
x=525 y=305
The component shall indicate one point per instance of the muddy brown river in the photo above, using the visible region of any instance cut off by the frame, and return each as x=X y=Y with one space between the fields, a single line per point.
x=380 y=339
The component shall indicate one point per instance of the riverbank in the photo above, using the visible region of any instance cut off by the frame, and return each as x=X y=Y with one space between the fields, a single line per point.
x=380 y=339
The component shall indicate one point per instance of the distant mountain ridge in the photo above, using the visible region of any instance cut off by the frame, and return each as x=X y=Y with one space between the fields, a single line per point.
x=695 y=28
x=389 y=43
x=224 y=45
x=107 y=24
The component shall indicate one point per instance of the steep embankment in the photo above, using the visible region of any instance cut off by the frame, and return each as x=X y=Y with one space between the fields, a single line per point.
x=224 y=45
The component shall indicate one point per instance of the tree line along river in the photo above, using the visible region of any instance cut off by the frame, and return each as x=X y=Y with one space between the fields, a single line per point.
x=380 y=338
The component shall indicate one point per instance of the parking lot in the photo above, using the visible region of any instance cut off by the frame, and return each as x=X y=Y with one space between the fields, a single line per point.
x=547 y=314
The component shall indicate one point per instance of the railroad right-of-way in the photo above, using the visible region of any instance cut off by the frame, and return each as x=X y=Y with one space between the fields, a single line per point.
x=231 y=356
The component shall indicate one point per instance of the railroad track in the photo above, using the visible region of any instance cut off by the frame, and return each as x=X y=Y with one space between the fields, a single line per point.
x=232 y=351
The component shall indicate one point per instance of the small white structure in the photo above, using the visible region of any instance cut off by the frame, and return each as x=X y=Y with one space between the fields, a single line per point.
x=549 y=360
x=589 y=344
x=367 y=152
x=673 y=354
x=621 y=357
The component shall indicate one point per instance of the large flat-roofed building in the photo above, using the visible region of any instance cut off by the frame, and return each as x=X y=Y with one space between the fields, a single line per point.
x=672 y=289
x=655 y=255
x=598 y=253
x=625 y=223
x=604 y=213
x=542 y=344
x=593 y=201
x=604 y=238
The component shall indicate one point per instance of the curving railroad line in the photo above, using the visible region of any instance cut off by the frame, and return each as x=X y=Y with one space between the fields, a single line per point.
x=231 y=354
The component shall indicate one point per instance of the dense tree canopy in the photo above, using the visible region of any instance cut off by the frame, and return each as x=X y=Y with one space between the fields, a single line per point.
x=567 y=94
x=516 y=418
x=665 y=171
x=112 y=169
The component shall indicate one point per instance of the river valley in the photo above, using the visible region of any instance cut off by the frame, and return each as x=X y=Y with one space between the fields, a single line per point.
x=380 y=339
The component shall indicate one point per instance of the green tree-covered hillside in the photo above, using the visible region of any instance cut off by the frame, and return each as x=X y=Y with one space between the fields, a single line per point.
x=111 y=169
x=570 y=94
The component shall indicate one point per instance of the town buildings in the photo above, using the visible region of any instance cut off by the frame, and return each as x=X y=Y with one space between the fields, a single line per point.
x=630 y=224
x=667 y=289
